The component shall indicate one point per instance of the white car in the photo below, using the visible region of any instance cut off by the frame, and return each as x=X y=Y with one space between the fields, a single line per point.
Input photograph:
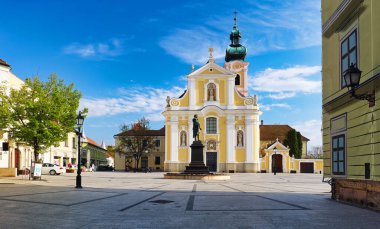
x=52 y=169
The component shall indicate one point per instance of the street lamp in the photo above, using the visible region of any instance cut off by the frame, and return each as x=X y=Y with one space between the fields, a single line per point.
x=352 y=78
x=79 y=129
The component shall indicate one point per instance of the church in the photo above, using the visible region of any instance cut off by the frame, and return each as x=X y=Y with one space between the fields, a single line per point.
x=229 y=118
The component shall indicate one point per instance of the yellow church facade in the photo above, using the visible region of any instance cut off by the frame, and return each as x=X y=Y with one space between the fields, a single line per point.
x=228 y=116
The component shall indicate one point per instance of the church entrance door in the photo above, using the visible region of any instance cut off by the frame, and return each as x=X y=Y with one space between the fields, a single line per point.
x=277 y=163
x=211 y=160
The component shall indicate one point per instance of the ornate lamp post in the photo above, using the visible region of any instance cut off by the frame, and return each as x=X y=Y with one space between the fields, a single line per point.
x=352 y=78
x=79 y=130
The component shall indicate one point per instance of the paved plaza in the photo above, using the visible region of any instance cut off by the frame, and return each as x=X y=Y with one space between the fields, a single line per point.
x=145 y=200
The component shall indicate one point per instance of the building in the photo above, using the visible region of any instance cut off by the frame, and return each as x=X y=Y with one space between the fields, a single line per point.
x=228 y=116
x=64 y=154
x=351 y=140
x=93 y=153
x=154 y=160
x=12 y=154
x=274 y=155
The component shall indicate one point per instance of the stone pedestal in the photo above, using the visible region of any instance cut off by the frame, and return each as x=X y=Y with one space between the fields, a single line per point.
x=197 y=165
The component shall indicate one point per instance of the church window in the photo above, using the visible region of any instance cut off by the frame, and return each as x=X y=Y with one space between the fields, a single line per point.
x=240 y=138
x=211 y=92
x=183 y=138
x=158 y=143
x=211 y=126
x=237 y=80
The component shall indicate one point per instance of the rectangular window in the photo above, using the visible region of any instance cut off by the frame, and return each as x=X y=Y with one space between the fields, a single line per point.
x=348 y=54
x=1 y=155
x=157 y=160
x=158 y=143
x=74 y=146
x=66 y=143
x=211 y=125
x=338 y=155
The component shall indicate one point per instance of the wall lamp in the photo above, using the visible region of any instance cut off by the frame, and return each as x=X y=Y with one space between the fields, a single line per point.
x=352 y=79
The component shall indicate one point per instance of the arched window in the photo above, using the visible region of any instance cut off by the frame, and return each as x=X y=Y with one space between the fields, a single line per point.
x=183 y=137
x=240 y=138
x=211 y=125
x=211 y=92
x=237 y=80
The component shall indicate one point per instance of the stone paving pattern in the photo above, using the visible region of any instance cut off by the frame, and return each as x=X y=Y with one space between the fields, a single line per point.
x=146 y=200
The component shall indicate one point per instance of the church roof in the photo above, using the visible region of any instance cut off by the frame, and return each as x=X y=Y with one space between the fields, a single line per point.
x=160 y=132
x=272 y=132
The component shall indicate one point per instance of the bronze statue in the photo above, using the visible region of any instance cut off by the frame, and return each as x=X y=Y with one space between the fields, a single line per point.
x=196 y=128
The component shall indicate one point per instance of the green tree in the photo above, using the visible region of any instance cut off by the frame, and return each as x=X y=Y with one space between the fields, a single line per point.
x=39 y=114
x=299 y=142
x=292 y=142
x=135 y=140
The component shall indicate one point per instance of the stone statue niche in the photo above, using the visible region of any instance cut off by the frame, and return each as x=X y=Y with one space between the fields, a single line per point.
x=211 y=92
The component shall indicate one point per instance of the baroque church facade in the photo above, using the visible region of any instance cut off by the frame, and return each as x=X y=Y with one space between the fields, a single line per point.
x=229 y=117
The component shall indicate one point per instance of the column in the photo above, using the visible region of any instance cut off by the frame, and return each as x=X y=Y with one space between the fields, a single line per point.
x=230 y=92
x=191 y=88
x=174 y=139
x=256 y=139
x=166 y=140
x=230 y=138
x=249 y=154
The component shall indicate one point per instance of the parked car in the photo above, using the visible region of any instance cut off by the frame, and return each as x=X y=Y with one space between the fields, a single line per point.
x=52 y=169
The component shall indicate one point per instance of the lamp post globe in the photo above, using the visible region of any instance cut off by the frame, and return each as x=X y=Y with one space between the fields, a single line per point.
x=79 y=125
x=352 y=77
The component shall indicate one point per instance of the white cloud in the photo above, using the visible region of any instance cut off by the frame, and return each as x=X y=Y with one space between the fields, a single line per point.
x=310 y=129
x=266 y=25
x=191 y=45
x=111 y=48
x=268 y=107
x=285 y=83
x=282 y=95
x=148 y=101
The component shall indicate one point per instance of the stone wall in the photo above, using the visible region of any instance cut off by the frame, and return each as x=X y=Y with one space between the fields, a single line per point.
x=365 y=193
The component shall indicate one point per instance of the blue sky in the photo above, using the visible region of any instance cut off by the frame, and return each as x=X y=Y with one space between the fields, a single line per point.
x=127 y=56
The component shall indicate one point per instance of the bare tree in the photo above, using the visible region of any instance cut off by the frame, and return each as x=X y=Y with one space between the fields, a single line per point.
x=316 y=152
x=135 y=140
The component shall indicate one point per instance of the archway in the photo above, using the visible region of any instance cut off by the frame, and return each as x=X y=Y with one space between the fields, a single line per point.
x=277 y=163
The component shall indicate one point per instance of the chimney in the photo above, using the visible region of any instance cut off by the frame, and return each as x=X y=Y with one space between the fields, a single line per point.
x=262 y=122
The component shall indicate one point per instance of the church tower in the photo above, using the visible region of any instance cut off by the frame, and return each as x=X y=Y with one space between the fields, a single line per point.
x=235 y=60
x=228 y=116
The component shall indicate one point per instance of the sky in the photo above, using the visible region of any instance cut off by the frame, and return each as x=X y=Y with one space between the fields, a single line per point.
x=126 y=56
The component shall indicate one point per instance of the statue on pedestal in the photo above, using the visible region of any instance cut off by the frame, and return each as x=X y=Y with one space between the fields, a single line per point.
x=196 y=128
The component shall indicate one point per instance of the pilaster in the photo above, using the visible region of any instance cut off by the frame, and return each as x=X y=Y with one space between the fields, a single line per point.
x=174 y=139
x=230 y=93
x=230 y=138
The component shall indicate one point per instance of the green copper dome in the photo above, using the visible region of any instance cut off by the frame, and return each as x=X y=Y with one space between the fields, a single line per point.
x=235 y=51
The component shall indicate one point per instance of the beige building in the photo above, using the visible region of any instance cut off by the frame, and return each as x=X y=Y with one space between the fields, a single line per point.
x=351 y=136
x=154 y=160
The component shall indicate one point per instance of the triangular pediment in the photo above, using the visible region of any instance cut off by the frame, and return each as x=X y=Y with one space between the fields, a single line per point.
x=277 y=145
x=212 y=68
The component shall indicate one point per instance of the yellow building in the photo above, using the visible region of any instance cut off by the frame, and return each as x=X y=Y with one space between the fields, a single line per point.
x=154 y=160
x=274 y=155
x=228 y=116
x=351 y=139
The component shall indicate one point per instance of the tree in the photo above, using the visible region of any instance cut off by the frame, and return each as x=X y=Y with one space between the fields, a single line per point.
x=300 y=145
x=292 y=141
x=316 y=152
x=135 y=140
x=39 y=114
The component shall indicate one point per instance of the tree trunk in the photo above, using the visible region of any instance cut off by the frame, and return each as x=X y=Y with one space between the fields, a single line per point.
x=36 y=150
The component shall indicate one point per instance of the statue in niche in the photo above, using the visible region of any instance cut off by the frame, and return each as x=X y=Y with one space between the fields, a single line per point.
x=196 y=128
x=240 y=139
x=183 y=138
x=211 y=92
x=167 y=101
